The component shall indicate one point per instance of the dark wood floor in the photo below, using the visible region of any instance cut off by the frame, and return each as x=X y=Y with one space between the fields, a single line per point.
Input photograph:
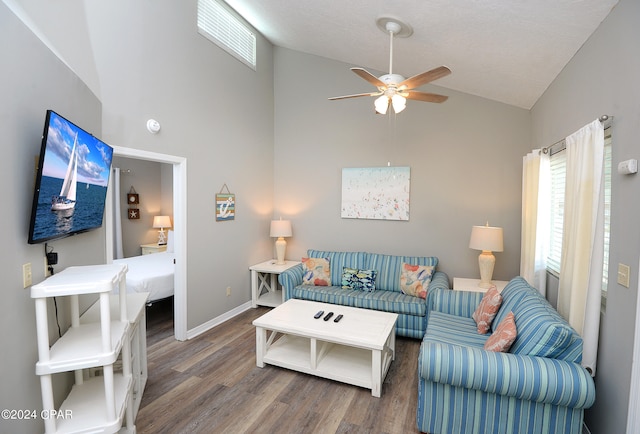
x=210 y=384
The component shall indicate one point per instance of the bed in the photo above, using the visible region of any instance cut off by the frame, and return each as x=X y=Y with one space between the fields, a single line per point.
x=152 y=273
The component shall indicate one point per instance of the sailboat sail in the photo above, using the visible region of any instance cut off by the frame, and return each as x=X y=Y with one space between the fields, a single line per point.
x=67 y=198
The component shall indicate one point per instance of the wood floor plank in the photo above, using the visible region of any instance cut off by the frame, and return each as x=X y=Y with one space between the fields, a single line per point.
x=211 y=384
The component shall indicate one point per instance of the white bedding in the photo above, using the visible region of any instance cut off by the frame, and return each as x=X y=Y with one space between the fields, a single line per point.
x=150 y=273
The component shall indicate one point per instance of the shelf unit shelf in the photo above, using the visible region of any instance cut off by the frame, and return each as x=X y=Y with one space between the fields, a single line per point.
x=98 y=404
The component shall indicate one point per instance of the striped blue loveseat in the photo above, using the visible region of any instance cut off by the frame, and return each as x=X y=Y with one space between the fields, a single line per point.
x=412 y=311
x=539 y=386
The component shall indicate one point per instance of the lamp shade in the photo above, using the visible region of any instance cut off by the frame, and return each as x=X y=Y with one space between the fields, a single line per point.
x=486 y=238
x=280 y=228
x=162 y=221
x=381 y=104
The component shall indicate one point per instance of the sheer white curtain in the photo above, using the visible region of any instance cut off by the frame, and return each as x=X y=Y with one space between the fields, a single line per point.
x=117 y=216
x=536 y=178
x=581 y=265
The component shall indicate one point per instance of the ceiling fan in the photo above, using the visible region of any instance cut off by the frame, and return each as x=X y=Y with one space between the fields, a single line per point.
x=394 y=89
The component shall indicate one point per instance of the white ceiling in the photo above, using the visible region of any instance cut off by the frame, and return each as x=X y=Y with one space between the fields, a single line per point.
x=504 y=50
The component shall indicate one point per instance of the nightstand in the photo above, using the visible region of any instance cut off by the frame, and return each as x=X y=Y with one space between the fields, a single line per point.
x=462 y=284
x=148 y=249
x=264 y=283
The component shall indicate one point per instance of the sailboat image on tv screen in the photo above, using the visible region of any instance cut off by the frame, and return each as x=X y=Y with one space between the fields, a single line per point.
x=66 y=200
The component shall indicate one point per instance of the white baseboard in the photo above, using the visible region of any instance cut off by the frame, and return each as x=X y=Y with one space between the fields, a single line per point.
x=218 y=320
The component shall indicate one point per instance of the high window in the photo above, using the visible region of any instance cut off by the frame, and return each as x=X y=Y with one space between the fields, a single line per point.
x=220 y=26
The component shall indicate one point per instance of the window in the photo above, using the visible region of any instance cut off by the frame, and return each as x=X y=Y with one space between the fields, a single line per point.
x=558 y=163
x=221 y=27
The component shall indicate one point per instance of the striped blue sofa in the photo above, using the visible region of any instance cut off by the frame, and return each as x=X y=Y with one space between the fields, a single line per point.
x=412 y=311
x=539 y=386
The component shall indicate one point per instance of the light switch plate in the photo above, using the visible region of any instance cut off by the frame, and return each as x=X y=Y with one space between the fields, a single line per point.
x=623 y=275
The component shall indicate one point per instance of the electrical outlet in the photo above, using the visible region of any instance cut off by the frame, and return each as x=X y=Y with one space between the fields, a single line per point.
x=623 y=275
x=26 y=275
x=47 y=272
x=228 y=291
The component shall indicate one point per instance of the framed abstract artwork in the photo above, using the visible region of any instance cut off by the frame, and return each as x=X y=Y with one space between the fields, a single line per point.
x=379 y=193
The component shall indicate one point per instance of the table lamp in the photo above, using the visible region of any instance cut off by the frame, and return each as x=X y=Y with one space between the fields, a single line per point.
x=280 y=229
x=162 y=221
x=488 y=239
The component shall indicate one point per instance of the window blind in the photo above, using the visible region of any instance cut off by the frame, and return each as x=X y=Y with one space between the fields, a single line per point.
x=221 y=27
x=558 y=164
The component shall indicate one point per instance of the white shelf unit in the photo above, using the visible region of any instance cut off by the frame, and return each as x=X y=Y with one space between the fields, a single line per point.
x=136 y=338
x=99 y=404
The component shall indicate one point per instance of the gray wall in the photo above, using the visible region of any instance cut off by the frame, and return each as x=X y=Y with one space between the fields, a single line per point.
x=32 y=79
x=603 y=79
x=155 y=195
x=465 y=157
x=152 y=63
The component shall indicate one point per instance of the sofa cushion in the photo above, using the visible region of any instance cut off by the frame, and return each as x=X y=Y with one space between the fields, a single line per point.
x=487 y=310
x=502 y=339
x=415 y=279
x=453 y=329
x=386 y=301
x=316 y=271
x=338 y=260
x=390 y=268
x=359 y=280
x=541 y=330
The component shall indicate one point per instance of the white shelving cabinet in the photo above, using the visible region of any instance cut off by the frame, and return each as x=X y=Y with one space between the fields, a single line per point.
x=137 y=337
x=98 y=404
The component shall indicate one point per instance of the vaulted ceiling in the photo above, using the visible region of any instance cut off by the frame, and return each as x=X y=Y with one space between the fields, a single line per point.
x=507 y=51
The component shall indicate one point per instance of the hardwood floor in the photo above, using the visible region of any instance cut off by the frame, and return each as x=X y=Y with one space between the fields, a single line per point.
x=211 y=384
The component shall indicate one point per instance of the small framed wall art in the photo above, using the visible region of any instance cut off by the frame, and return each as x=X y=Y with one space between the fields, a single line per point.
x=132 y=197
x=225 y=205
x=133 y=214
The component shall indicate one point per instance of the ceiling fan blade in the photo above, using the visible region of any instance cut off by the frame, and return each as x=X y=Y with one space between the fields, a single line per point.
x=424 y=96
x=355 y=95
x=424 y=78
x=363 y=73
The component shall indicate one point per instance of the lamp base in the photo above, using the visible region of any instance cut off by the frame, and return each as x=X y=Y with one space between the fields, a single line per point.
x=486 y=262
x=281 y=247
x=162 y=239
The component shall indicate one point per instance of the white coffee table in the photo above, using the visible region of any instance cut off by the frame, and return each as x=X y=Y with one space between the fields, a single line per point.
x=356 y=350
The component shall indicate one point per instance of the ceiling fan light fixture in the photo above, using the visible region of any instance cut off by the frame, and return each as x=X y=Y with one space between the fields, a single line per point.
x=394 y=89
x=381 y=104
x=399 y=103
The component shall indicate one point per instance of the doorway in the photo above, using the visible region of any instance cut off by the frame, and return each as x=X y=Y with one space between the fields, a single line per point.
x=179 y=165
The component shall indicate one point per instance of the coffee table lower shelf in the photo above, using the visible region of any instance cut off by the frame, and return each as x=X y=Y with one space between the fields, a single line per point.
x=347 y=364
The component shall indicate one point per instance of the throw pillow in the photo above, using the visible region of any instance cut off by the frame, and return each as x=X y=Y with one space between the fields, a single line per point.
x=487 y=310
x=316 y=271
x=415 y=279
x=361 y=280
x=504 y=335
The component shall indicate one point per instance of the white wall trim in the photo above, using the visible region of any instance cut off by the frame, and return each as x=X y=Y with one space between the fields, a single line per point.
x=179 y=227
x=218 y=320
x=633 y=412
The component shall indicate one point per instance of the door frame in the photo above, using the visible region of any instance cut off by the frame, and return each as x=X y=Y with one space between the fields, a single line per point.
x=179 y=227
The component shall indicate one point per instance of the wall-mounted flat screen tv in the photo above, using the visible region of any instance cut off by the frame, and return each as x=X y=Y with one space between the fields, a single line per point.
x=71 y=181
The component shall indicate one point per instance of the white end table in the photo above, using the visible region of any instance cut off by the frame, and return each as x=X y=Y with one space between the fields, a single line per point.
x=264 y=282
x=462 y=284
x=148 y=249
